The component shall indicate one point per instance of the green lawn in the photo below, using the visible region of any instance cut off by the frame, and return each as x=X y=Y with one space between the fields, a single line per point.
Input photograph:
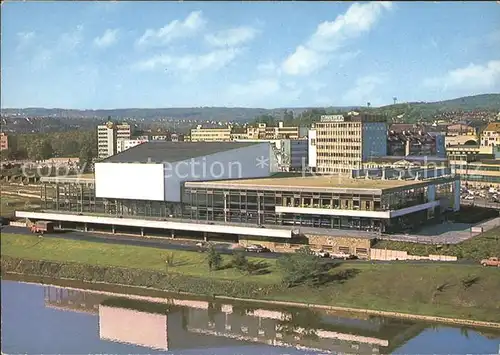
x=185 y=262
x=429 y=289
x=477 y=248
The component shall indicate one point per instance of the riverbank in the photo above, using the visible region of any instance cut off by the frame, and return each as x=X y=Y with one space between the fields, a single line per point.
x=454 y=291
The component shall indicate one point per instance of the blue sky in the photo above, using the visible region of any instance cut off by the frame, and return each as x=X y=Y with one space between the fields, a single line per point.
x=90 y=55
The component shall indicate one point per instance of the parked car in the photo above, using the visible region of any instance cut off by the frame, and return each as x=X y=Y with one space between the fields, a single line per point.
x=322 y=253
x=202 y=246
x=341 y=255
x=256 y=248
x=493 y=261
x=4 y=221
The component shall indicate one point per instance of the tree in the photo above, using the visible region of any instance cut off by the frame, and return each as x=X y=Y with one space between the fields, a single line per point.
x=86 y=157
x=301 y=267
x=46 y=151
x=214 y=258
x=240 y=261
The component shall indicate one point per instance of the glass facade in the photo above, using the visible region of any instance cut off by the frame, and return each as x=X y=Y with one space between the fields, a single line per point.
x=258 y=207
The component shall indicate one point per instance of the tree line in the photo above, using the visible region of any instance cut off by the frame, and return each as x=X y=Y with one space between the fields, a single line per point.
x=43 y=146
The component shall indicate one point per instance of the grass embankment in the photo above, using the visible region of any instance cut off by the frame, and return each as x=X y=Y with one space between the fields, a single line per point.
x=458 y=291
x=476 y=248
x=11 y=203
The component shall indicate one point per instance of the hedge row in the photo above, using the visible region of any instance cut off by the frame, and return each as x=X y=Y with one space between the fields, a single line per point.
x=135 y=277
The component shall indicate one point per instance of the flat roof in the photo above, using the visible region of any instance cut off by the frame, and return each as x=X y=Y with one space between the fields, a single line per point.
x=80 y=178
x=322 y=183
x=162 y=152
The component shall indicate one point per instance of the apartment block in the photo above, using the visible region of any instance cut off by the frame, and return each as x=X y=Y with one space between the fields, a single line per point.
x=416 y=143
x=344 y=142
x=263 y=131
x=124 y=144
x=202 y=134
x=107 y=138
x=259 y=132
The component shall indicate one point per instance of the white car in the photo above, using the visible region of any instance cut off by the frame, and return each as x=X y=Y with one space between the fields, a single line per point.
x=341 y=255
x=322 y=253
x=469 y=197
x=256 y=248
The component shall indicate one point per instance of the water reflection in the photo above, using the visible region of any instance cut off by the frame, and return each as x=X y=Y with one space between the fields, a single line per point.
x=152 y=325
x=168 y=324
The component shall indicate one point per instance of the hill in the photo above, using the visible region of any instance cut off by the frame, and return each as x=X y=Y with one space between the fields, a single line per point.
x=426 y=110
x=411 y=110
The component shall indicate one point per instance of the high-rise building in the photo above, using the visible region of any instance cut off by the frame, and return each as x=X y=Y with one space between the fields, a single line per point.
x=345 y=142
x=107 y=138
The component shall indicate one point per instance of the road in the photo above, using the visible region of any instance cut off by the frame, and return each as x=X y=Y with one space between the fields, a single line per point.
x=188 y=245
x=481 y=202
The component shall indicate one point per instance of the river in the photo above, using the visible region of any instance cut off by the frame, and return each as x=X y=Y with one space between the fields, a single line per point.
x=46 y=319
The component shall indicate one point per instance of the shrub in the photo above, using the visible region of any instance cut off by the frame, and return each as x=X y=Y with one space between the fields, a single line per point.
x=239 y=261
x=214 y=258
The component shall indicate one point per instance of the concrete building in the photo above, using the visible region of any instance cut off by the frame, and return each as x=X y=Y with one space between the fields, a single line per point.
x=4 y=141
x=311 y=151
x=343 y=142
x=479 y=174
x=124 y=144
x=491 y=135
x=291 y=154
x=216 y=134
x=230 y=191
x=107 y=138
x=478 y=166
x=263 y=131
x=416 y=143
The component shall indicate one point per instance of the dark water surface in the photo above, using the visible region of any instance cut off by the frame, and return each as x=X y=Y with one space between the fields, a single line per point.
x=39 y=319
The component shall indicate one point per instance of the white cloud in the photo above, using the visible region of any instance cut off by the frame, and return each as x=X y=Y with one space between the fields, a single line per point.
x=231 y=37
x=70 y=40
x=25 y=38
x=331 y=35
x=363 y=91
x=176 y=29
x=109 y=37
x=190 y=63
x=471 y=77
x=304 y=61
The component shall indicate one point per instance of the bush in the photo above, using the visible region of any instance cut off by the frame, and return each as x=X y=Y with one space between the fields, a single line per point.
x=301 y=267
x=239 y=261
x=214 y=258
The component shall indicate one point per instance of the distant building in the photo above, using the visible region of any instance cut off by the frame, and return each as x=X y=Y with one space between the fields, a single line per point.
x=291 y=154
x=263 y=131
x=202 y=134
x=491 y=135
x=124 y=144
x=259 y=132
x=416 y=143
x=343 y=142
x=4 y=141
x=107 y=138
x=460 y=129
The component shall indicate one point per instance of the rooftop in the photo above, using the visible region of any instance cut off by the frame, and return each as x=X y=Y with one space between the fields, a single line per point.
x=162 y=152
x=322 y=183
x=493 y=126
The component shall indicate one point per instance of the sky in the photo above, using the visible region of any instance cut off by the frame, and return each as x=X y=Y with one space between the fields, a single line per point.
x=103 y=55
